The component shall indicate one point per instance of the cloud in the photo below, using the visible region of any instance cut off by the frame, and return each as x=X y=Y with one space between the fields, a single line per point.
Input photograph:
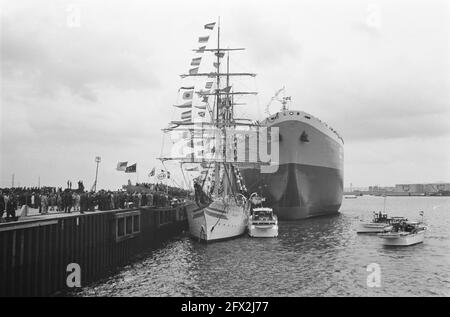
x=270 y=43
x=51 y=57
x=375 y=88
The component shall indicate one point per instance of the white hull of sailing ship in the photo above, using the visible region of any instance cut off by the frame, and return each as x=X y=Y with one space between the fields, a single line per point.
x=216 y=221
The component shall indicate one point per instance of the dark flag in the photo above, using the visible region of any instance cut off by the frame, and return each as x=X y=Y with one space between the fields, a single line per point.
x=131 y=169
x=210 y=26
x=203 y=39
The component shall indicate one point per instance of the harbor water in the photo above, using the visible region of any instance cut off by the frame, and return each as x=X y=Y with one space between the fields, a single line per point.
x=315 y=257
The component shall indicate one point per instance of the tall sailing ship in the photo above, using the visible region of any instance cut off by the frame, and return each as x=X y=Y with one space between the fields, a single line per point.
x=199 y=142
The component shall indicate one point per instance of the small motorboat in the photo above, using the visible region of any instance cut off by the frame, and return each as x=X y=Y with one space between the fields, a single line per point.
x=379 y=223
x=404 y=233
x=262 y=222
x=350 y=196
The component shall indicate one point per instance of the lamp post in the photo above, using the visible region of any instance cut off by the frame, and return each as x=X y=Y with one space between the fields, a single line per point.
x=98 y=159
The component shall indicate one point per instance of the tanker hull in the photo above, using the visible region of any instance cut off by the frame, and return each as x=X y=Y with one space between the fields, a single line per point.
x=308 y=181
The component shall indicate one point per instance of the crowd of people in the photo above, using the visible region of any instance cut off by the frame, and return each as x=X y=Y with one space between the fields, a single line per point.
x=170 y=190
x=52 y=199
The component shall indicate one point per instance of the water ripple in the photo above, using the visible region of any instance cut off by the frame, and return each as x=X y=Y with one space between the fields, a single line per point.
x=314 y=257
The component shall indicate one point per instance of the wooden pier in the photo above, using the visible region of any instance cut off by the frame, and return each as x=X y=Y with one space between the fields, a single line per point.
x=35 y=254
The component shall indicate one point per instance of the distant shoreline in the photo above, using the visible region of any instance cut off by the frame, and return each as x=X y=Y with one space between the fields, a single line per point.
x=397 y=194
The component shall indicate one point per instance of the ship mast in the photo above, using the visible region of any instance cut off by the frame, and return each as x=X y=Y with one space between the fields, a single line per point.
x=284 y=103
x=217 y=97
x=222 y=117
x=218 y=72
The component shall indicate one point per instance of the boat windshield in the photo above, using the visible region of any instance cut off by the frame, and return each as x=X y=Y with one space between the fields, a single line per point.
x=262 y=214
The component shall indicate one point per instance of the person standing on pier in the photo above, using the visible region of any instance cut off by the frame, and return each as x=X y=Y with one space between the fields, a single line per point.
x=91 y=202
x=2 y=205
x=149 y=199
x=37 y=202
x=11 y=206
x=76 y=201
x=112 y=199
x=122 y=200
x=139 y=199
x=44 y=203
x=67 y=201
x=83 y=202
x=59 y=202
x=52 y=201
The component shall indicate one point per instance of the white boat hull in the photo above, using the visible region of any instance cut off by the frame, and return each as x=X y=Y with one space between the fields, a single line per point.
x=263 y=231
x=371 y=227
x=403 y=240
x=216 y=221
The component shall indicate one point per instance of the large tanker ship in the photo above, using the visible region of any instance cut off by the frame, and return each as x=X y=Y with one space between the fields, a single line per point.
x=309 y=179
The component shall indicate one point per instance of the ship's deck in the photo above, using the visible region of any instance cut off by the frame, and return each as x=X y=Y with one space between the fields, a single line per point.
x=304 y=117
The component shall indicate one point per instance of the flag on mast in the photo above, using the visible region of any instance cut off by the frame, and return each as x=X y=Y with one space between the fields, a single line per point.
x=188 y=95
x=203 y=39
x=186 y=115
x=196 y=61
x=210 y=26
x=152 y=172
x=161 y=175
x=186 y=88
x=131 y=168
x=226 y=89
x=185 y=105
x=203 y=92
x=122 y=166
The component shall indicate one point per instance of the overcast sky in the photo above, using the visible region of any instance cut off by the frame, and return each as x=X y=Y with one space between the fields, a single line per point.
x=376 y=71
